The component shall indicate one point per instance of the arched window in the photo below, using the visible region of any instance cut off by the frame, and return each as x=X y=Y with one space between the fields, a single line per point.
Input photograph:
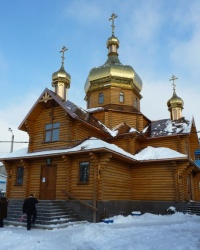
x=101 y=98
x=121 y=97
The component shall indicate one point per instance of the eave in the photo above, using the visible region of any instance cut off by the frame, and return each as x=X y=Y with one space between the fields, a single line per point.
x=43 y=154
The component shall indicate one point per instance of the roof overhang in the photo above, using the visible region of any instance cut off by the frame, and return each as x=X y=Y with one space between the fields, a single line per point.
x=54 y=153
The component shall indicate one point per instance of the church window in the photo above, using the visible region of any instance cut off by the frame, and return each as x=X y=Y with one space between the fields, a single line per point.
x=20 y=176
x=52 y=132
x=84 y=172
x=121 y=97
x=101 y=98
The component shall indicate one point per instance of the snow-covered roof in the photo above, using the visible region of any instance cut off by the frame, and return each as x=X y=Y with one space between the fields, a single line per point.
x=150 y=153
x=167 y=127
x=88 y=145
x=91 y=110
x=3 y=176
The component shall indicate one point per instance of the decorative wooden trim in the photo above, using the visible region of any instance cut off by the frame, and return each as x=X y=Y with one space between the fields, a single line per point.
x=45 y=98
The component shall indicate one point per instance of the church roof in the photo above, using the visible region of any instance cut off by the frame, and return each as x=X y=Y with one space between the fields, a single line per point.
x=94 y=144
x=167 y=127
x=72 y=109
x=82 y=114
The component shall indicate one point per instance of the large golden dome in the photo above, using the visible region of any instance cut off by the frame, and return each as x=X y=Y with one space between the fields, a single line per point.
x=113 y=68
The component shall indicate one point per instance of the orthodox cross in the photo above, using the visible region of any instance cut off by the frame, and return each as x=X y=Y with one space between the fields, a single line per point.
x=113 y=16
x=173 y=78
x=63 y=54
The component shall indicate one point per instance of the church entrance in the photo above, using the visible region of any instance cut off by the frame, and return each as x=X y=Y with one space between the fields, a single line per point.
x=48 y=182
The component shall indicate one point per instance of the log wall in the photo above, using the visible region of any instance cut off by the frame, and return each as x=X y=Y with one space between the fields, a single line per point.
x=116 y=181
x=153 y=182
x=111 y=95
x=175 y=143
x=71 y=131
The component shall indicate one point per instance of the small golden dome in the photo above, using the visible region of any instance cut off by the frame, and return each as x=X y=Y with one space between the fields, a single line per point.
x=175 y=101
x=112 y=40
x=61 y=73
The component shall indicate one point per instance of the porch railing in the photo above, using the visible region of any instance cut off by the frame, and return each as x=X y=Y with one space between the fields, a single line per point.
x=79 y=200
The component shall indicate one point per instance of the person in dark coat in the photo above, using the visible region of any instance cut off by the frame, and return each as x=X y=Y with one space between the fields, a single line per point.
x=29 y=208
x=3 y=210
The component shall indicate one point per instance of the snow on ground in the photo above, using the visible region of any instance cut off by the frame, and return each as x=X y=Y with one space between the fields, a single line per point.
x=146 y=232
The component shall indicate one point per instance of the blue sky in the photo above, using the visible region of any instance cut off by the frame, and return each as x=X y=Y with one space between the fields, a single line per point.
x=158 y=38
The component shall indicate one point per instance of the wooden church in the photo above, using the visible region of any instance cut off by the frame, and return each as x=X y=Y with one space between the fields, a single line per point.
x=109 y=158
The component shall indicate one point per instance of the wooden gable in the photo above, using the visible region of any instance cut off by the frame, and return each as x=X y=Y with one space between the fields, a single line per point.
x=75 y=124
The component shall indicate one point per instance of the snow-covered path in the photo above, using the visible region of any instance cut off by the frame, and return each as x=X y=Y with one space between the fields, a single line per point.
x=146 y=232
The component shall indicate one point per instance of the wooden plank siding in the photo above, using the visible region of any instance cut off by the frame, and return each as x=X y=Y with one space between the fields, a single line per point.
x=82 y=191
x=71 y=131
x=111 y=95
x=196 y=186
x=114 y=118
x=166 y=181
x=153 y=182
x=13 y=190
x=174 y=142
x=117 y=182
x=129 y=144
x=109 y=179
x=184 y=144
x=35 y=176
x=39 y=125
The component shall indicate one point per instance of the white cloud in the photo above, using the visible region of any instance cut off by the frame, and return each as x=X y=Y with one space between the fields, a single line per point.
x=11 y=117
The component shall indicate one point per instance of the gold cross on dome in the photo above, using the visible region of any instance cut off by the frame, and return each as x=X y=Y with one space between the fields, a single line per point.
x=173 y=78
x=113 y=16
x=63 y=54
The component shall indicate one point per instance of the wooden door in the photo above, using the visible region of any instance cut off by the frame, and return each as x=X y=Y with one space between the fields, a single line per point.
x=48 y=182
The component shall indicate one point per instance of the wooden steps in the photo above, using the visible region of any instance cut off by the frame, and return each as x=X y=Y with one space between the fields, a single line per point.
x=193 y=208
x=49 y=212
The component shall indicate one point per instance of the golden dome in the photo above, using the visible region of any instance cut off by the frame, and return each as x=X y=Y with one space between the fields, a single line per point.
x=61 y=73
x=175 y=101
x=112 y=40
x=113 y=68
